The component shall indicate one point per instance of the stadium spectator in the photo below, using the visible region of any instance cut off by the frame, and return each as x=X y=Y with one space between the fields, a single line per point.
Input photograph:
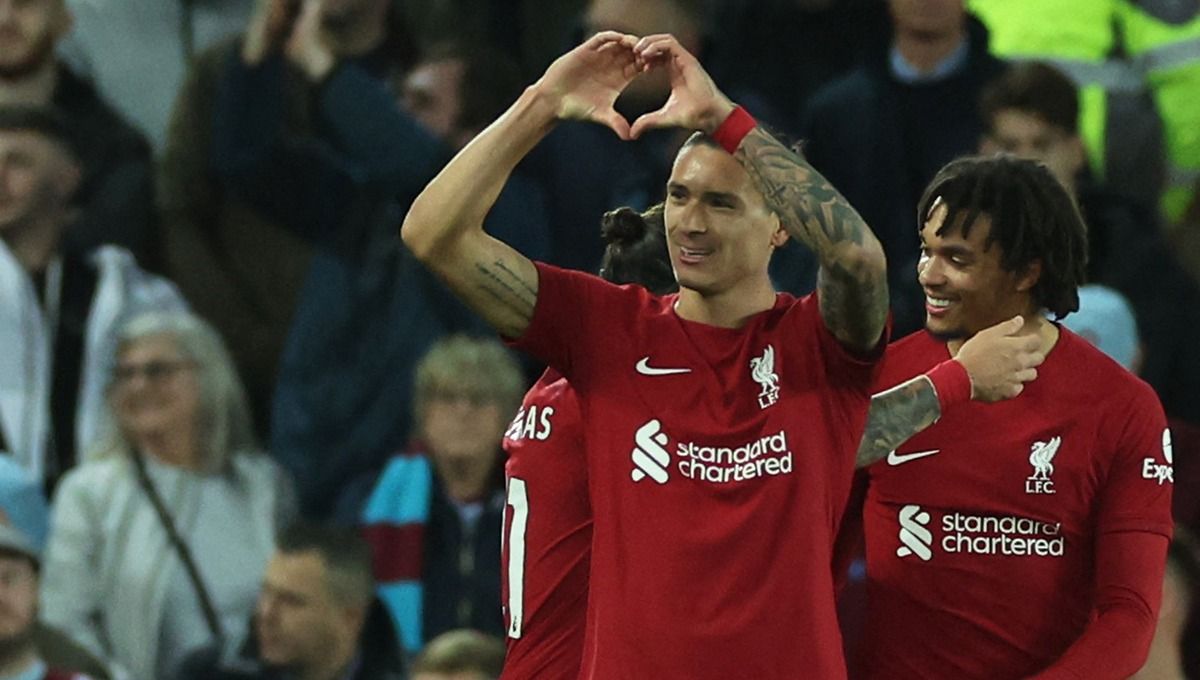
x=316 y=617
x=460 y=655
x=158 y=540
x=881 y=132
x=59 y=306
x=115 y=199
x=337 y=391
x=434 y=515
x=20 y=658
x=1031 y=111
x=298 y=67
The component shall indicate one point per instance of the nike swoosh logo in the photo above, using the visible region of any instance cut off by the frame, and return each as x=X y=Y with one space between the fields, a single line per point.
x=902 y=458
x=645 y=368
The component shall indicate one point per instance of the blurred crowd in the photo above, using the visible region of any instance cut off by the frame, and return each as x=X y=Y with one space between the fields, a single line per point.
x=246 y=435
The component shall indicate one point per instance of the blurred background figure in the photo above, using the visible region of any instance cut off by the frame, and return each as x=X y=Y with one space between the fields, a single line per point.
x=115 y=198
x=788 y=49
x=434 y=515
x=158 y=540
x=881 y=132
x=1137 y=64
x=136 y=52
x=1174 y=653
x=460 y=655
x=368 y=312
x=59 y=304
x=301 y=75
x=20 y=658
x=1031 y=111
x=23 y=524
x=316 y=618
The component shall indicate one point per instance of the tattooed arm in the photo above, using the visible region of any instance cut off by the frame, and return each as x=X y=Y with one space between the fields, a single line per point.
x=999 y=360
x=894 y=416
x=852 y=281
x=444 y=226
x=852 y=284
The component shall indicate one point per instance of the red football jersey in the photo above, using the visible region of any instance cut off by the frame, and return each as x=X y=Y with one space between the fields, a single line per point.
x=547 y=535
x=981 y=530
x=719 y=462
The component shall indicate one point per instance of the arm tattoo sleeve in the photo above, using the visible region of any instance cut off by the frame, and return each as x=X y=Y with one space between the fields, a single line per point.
x=852 y=286
x=895 y=415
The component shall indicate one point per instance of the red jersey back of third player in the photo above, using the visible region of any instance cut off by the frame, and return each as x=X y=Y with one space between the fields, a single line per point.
x=547 y=534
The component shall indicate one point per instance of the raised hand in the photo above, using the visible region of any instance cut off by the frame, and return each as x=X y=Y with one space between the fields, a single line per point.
x=585 y=82
x=1000 y=360
x=307 y=46
x=695 y=102
x=267 y=29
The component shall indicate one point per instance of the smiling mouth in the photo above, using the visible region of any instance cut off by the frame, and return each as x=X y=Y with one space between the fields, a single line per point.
x=692 y=255
x=937 y=306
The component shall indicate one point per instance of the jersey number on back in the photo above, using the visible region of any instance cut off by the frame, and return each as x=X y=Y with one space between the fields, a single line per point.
x=519 y=500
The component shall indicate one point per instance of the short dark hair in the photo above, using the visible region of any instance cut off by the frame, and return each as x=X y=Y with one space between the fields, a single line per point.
x=1033 y=218
x=346 y=554
x=490 y=82
x=461 y=651
x=1035 y=88
x=637 y=249
x=46 y=121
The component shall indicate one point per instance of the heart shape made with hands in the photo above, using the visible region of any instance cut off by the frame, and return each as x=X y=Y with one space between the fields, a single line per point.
x=589 y=78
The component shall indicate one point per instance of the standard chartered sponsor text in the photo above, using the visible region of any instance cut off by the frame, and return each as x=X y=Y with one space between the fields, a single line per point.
x=1018 y=536
x=768 y=455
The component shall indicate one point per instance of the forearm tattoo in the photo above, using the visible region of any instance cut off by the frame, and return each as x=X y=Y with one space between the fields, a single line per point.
x=854 y=297
x=895 y=415
x=514 y=295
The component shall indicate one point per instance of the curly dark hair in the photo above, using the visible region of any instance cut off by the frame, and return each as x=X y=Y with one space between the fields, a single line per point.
x=1033 y=218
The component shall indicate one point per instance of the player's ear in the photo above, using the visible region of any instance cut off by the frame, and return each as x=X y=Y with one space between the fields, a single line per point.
x=780 y=234
x=1030 y=276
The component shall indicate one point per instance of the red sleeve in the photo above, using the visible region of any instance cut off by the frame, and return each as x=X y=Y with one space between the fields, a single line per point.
x=1133 y=530
x=1129 y=573
x=570 y=317
x=1139 y=478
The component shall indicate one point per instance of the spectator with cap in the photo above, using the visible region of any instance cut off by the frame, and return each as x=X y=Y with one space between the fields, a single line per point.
x=115 y=198
x=20 y=658
x=59 y=306
x=23 y=509
x=460 y=655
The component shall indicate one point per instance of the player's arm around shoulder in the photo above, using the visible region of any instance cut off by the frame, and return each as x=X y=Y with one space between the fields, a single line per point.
x=995 y=364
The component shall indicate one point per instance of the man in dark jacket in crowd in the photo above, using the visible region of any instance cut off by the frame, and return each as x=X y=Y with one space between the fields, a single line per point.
x=317 y=618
